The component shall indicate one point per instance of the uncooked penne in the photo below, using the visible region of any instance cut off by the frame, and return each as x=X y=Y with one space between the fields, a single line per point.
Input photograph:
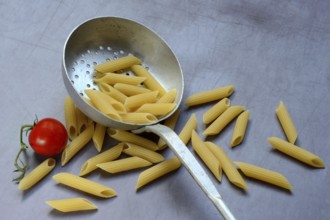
x=206 y=155
x=190 y=125
x=37 y=174
x=71 y=205
x=102 y=102
x=111 y=91
x=113 y=78
x=82 y=121
x=139 y=117
x=157 y=171
x=106 y=156
x=296 y=152
x=168 y=97
x=150 y=81
x=223 y=120
x=216 y=110
x=228 y=166
x=144 y=153
x=117 y=64
x=240 y=128
x=77 y=144
x=264 y=175
x=286 y=123
x=171 y=123
x=98 y=136
x=130 y=90
x=158 y=109
x=140 y=99
x=209 y=96
x=70 y=118
x=125 y=136
x=84 y=185
x=125 y=164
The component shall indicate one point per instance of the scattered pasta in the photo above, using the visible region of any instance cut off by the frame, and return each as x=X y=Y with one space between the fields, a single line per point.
x=190 y=125
x=240 y=128
x=216 y=110
x=286 y=123
x=71 y=205
x=125 y=164
x=98 y=136
x=144 y=153
x=70 y=118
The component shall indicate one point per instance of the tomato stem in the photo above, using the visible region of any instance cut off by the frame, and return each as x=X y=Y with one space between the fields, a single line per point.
x=19 y=164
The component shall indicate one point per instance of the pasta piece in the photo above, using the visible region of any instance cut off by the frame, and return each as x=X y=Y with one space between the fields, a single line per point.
x=77 y=144
x=104 y=104
x=149 y=155
x=150 y=81
x=157 y=171
x=216 y=110
x=125 y=164
x=286 y=123
x=106 y=156
x=117 y=64
x=209 y=96
x=227 y=165
x=206 y=155
x=157 y=108
x=139 y=118
x=98 y=136
x=240 y=128
x=169 y=122
x=296 y=152
x=113 y=78
x=125 y=136
x=138 y=100
x=37 y=174
x=82 y=121
x=130 y=90
x=71 y=205
x=168 y=97
x=85 y=185
x=190 y=125
x=264 y=175
x=70 y=118
x=223 y=120
x=111 y=91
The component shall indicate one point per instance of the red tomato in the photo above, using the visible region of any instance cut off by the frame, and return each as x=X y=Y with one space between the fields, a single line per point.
x=48 y=137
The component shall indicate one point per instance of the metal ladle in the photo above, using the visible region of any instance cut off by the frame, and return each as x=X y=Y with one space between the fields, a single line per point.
x=104 y=38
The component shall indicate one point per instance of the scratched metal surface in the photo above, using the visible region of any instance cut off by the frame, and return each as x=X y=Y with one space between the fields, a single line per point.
x=270 y=51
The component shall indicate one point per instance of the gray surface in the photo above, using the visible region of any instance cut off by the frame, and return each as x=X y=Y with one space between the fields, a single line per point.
x=270 y=51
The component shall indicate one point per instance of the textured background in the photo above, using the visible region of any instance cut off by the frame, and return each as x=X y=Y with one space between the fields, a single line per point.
x=270 y=51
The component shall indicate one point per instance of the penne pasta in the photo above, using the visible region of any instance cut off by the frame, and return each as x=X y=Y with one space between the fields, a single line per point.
x=82 y=121
x=113 y=78
x=150 y=81
x=85 y=185
x=216 y=110
x=125 y=136
x=106 y=104
x=240 y=128
x=206 y=155
x=37 y=174
x=264 y=175
x=106 y=156
x=111 y=91
x=168 y=97
x=130 y=90
x=227 y=164
x=138 y=100
x=169 y=122
x=190 y=125
x=70 y=118
x=71 y=205
x=157 y=171
x=296 y=152
x=98 y=136
x=117 y=64
x=138 y=117
x=286 y=123
x=209 y=96
x=77 y=144
x=125 y=164
x=149 y=155
x=157 y=109
x=223 y=120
